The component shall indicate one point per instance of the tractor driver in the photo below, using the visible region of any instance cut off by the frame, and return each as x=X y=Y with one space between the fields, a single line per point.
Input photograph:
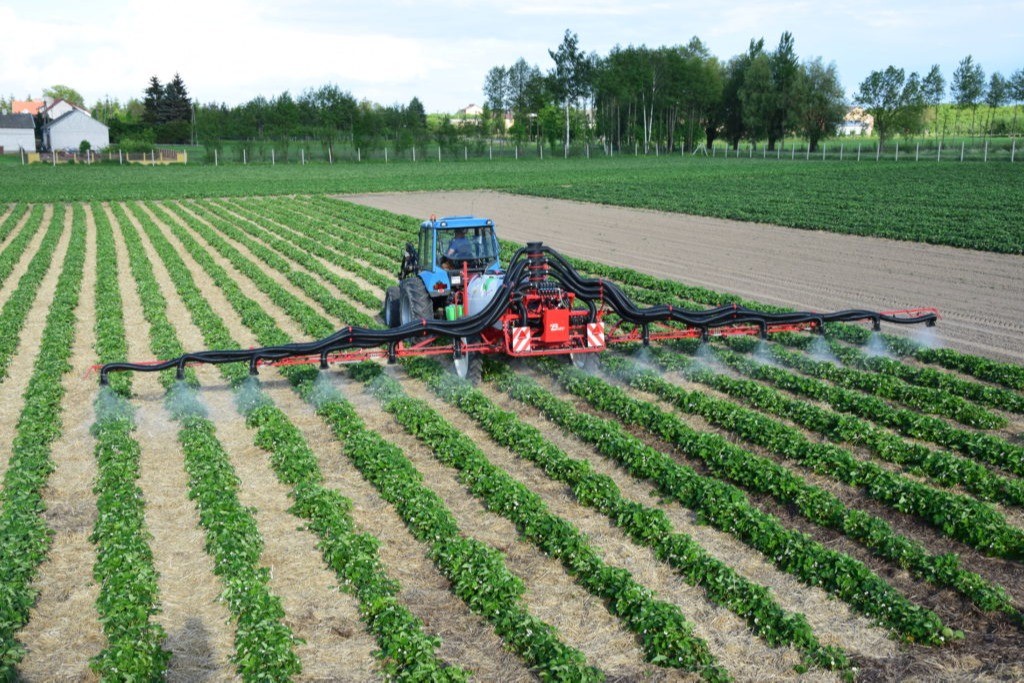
x=460 y=247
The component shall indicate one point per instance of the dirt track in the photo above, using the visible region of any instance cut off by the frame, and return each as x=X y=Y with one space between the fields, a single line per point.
x=980 y=295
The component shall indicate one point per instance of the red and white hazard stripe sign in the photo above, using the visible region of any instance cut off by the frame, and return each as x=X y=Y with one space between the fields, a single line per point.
x=595 y=335
x=520 y=339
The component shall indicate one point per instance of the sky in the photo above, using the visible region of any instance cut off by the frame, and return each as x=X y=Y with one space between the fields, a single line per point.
x=388 y=51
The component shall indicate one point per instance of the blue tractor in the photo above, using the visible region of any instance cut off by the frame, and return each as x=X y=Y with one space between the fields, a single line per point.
x=435 y=277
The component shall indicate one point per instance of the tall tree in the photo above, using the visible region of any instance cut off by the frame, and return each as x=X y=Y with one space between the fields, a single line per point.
x=758 y=101
x=933 y=89
x=968 y=87
x=820 y=101
x=568 y=77
x=496 y=94
x=177 y=103
x=153 y=103
x=731 y=105
x=893 y=100
x=785 y=75
x=66 y=93
x=1016 y=89
x=998 y=95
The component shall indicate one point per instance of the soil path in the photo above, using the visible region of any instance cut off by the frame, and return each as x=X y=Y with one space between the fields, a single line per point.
x=980 y=295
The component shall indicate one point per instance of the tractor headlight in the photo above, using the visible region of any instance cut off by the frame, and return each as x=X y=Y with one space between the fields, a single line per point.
x=456 y=281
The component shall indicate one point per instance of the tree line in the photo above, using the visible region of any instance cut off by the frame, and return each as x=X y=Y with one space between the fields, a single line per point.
x=683 y=96
x=634 y=97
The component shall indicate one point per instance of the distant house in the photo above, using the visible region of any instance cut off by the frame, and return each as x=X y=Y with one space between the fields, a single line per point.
x=17 y=132
x=56 y=108
x=857 y=122
x=71 y=128
x=27 y=106
x=471 y=110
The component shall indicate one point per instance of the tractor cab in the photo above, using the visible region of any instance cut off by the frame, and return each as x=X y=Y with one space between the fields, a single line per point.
x=447 y=244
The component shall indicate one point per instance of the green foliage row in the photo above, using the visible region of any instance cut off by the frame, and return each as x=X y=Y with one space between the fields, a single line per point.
x=19 y=303
x=25 y=538
x=920 y=398
x=941 y=467
x=295 y=242
x=477 y=572
x=986 y=448
x=975 y=206
x=665 y=635
x=264 y=644
x=407 y=652
x=726 y=508
x=944 y=382
x=646 y=526
x=128 y=590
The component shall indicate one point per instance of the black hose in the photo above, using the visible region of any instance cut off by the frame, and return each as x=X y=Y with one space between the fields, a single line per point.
x=517 y=280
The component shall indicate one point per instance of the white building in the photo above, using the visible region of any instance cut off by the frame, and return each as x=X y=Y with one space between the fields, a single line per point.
x=17 y=132
x=68 y=130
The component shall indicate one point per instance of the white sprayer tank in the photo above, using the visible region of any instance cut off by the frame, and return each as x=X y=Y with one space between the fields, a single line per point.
x=480 y=291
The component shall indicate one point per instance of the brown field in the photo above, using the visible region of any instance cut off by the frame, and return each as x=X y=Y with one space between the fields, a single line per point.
x=981 y=297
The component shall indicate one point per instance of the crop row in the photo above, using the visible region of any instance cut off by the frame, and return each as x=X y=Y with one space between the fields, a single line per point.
x=762 y=475
x=983 y=447
x=941 y=467
x=920 y=398
x=296 y=234
x=19 y=303
x=11 y=253
x=407 y=651
x=464 y=561
x=124 y=571
x=234 y=228
x=948 y=383
x=264 y=645
x=644 y=525
x=957 y=516
x=727 y=508
x=25 y=538
x=665 y=634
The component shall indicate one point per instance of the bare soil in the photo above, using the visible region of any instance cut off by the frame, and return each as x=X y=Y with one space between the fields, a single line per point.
x=979 y=295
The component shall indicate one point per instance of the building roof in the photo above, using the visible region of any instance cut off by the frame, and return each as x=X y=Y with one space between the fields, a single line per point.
x=9 y=121
x=68 y=114
x=27 y=106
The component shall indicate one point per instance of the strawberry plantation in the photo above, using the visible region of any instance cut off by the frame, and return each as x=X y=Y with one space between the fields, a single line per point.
x=834 y=507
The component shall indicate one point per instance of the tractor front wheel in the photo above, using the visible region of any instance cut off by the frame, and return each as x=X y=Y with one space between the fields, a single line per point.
x=393 y=306
x=415 y=303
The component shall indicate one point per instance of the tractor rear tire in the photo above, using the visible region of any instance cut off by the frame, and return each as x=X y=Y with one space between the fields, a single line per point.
x=470 y=366
x=415 y=304
x=392 y=306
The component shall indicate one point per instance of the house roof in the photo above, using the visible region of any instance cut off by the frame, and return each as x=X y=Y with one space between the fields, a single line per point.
x=68 y=114
x=27 y=106
x=47 y=108
x=20 y=121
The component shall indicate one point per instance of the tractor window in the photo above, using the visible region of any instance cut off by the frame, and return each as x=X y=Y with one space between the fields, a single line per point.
x=470 y=244
x=426 y=237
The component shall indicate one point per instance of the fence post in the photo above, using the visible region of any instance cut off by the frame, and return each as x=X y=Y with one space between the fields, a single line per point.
x=302 y=155
x=897 y=152
x=490 y=151
x=439 y=153
x=588 y=150
x=792 y=153
x=273 y=159
x=517 y=152
x=152 y=157
x=542 y=152
x=858 y=151
x=938 y=154
x=465 y=152
x=385 y=155
x=216 y=160
x=986 y=150
x=878 y=151
x=963 y=145
x=244 y=157
x=1013 y=150
x=330 y=155
x=841 y=146
x=917 y=152
x=414 y=152
x=713 y=150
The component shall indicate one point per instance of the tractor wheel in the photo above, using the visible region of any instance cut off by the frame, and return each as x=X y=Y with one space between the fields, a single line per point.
x=392 y=306
x=414 y=302
x=469 y=366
